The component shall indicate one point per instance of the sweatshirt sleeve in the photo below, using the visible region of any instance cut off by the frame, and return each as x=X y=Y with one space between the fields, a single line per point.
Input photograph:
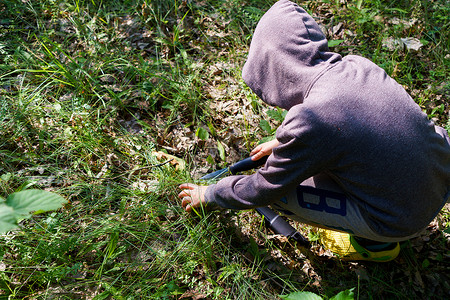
x=302 y=153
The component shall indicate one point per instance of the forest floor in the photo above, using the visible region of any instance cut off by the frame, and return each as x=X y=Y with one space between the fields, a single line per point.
x=112 y=104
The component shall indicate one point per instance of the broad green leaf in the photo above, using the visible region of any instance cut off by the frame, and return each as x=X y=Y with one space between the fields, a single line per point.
x=7 y=219
x=274 y=114
x=334 y=43
x=424 y=42
x=359 y=4
x=265 y=126
x=301 y=296
x=221 y=150
x=202 y=133
x=266 y=139
x=27 y=201
x=5 y=177
x=344 y=295
x=439 y=109
x=277 y=114
x=210 y=160
x=211 y=129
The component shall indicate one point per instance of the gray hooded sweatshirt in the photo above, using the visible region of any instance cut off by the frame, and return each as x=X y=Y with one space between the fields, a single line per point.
x=346 y=118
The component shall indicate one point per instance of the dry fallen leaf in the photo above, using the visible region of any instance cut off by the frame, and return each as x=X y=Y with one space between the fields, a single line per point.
x=177 y=162
x=408 y=43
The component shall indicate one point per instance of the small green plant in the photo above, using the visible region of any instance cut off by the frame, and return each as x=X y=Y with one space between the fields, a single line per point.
x=344 y=295
x=202 y=133
x=19 y=205
x=278 y=116
x=334 y=43
x=438 y=110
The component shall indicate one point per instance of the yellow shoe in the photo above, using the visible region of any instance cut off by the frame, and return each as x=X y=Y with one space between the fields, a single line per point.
x=347 y=248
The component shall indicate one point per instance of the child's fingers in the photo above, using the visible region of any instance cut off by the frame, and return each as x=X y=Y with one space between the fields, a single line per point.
x=188 y=203
x=191 y=195
x=189 y=186
x=183 y=194
x=257 y=149
x=185 y=202
x=186 y=190
x=253 y=152
x=257 y=156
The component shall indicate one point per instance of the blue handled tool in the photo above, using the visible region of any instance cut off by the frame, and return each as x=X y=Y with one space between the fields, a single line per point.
x=240 y=166
x=274 y=220
x=281 y=226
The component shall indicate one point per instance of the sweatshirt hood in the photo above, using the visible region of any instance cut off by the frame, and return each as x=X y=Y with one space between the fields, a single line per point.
x=287 y=53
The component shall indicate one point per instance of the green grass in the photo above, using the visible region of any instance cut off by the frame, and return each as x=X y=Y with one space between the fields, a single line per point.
x=90 y=89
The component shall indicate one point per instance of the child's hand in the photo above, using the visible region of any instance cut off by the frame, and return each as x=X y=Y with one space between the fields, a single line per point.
x=192 y=196
x=264 y=149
